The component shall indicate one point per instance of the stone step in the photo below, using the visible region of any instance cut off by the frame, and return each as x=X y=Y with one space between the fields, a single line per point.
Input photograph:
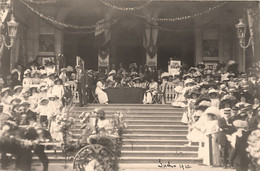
x=152 y=122
x=77 y=132
x=152 y=112
x=175 y=148
x=153 y=142
x=159 y=154
x=155 y=127
x=154 y=136
x=163 y=160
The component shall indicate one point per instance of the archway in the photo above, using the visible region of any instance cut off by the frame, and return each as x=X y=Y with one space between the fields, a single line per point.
x=82 y=45
x=177 y=43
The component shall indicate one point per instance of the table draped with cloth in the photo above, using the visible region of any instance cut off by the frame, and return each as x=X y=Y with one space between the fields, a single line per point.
x=125 y=95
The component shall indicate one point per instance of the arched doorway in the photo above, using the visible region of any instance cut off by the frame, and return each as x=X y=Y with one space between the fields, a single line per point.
x=178 y=43
x=127 y=41
x=82 y=45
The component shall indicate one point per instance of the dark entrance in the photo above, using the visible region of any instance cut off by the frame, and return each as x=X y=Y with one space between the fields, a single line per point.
x=82 y=45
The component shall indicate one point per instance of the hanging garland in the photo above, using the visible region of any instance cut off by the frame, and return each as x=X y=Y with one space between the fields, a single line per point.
x=42 y=2
x=210 y=9
x=177 y=30
x=59 y=24
x=123 y=8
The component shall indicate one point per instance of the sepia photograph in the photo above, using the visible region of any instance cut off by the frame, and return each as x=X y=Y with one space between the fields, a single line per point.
x=129 y=85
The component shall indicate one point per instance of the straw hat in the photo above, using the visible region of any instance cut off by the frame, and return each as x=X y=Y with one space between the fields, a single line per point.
x=165 y=75
x=213 y=110
x=240 y=124
x=112 y=72
x=17 y=87
x=211 y=91
x=18 y=100
x=189 y=81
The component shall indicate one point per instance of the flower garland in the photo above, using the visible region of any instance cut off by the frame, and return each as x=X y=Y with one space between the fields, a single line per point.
x=125 y=9
x=59 y=24
x=42 y=2
x=210 y=9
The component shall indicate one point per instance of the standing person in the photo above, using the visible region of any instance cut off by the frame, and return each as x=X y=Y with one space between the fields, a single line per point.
x=239 y=156
x=58 y=89
x=27 y=80
x=63 y=75
x=82 y=83
x=225 y=129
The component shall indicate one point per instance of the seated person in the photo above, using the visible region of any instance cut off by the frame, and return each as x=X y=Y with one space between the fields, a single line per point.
x=102 y=96
x=137 y=82
x=151 y=92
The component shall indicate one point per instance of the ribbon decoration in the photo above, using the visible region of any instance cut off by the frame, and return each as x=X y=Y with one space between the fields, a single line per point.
x=125 y=9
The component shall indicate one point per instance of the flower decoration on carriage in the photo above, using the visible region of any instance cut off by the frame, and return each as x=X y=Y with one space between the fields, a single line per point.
x=254 y=146
x=118 y=123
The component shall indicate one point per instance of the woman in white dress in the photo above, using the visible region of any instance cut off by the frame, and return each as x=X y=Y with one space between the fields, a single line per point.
x=211 y=154
x=151 y=92
x=102 y=96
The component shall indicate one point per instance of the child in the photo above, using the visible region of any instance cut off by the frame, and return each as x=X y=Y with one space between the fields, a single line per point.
x=58 y=89
x=27 y=81
x=44 y=111
x=213 y=95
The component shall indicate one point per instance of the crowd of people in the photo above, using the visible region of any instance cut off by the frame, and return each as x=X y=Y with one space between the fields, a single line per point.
x=221 y=105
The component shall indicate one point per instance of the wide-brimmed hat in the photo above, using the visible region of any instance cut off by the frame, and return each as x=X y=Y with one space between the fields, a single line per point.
x=112 y=72
x=58 y=79
x=27 y=72
x=18 y=100
x=194 y=91
x=240 y=124
x=213 y=91
x=186 y=76
x=5 y=89
x=23 y=103
x=203 y=104
x=136 y=78
x=213 y=110
x=231 y=75
x=63 y=70
x=227 y=99
x=17 y=88
x=165 y=75
x=51 y=74
x=192 y=69
x=201 y=64
x=189 y=81
x=43 y=99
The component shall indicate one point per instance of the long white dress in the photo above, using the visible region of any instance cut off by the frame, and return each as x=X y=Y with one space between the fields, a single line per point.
x=102 y=96
x=148 y=96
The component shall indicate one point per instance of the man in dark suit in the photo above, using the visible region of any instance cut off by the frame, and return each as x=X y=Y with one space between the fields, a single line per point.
x=254 y=87
x=225 y=129
x=239 y=156
x=82 y=83
x=28 y=116
x=90 y=86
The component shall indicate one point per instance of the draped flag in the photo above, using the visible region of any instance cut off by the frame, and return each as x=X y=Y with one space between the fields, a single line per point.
x=102 y=33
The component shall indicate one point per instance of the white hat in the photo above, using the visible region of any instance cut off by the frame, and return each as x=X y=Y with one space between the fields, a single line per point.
x=16 y=87
x=240 y=124
x=188 y=81
x=165 y=74
x=204 y=103
x=112 y=72
x=14 y=70
x=212 y=91
x=5 y=89
x=178 y=89
x=63 y=70
x=27 y=72
x=213 y=110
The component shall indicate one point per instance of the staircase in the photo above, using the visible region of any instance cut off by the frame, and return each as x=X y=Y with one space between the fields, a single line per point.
x=153 y=132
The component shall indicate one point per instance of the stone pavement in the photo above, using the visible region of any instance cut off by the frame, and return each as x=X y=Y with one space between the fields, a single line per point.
x=195 y=167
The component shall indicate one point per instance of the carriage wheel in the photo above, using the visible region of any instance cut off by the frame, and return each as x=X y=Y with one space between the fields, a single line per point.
x=104 y=159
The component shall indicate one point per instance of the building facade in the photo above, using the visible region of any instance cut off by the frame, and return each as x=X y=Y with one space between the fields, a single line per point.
x=140 y=31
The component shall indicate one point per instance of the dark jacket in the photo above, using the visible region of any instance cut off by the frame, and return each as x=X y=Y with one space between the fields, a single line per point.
x=252 y=123
x=239 y=155
x=226 y=129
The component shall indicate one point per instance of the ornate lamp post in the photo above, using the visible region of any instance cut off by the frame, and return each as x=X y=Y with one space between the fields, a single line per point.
x=12 y=26
x=241 y=34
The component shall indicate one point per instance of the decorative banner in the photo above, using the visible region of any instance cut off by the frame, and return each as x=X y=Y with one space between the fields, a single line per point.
x=250 y=14
x=174 y=67
x=151 y=61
